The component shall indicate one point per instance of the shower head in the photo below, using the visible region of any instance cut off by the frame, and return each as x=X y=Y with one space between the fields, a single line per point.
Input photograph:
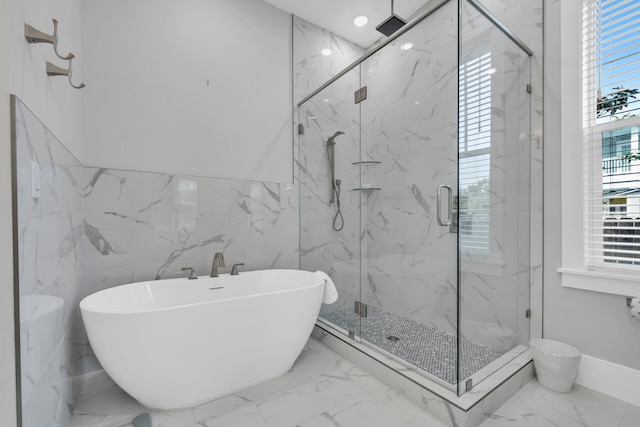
x=391 y=24
x=332 y=139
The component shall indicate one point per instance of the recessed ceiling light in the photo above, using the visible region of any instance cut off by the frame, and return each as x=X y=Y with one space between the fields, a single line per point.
x=406 y=46
x=326 y=51
x=360 y=21
x=491 y=70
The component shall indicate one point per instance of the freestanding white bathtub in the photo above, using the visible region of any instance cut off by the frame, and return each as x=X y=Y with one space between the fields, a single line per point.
x=177 y=343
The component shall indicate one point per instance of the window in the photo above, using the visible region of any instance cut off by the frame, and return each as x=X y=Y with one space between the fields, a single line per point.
x=599 y=125
x=474 y=132
x=611 y=106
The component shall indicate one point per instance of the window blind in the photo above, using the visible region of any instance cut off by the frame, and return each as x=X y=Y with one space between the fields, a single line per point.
x=611 y=125
x=474 y=150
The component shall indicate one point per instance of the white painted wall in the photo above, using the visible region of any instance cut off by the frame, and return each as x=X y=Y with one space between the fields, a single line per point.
x=598 y=324
x=7 y=359
x=196 y=87
x=52 y=99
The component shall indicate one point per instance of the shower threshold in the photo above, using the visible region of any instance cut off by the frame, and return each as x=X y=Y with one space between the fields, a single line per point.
x=426 y=348
x=492 y=385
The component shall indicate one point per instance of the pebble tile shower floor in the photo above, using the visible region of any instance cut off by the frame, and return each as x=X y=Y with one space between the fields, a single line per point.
x=427 y=348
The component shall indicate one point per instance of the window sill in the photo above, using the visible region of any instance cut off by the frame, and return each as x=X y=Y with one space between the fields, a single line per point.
x=605 y=281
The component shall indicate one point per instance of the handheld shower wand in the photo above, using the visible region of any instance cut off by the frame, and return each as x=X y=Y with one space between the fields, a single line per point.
x=335 y=183
x=332 y=139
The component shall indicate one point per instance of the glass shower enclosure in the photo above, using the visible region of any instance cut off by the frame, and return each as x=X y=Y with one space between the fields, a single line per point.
x=414 y=177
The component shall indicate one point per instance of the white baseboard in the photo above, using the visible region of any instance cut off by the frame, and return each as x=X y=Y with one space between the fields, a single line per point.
x=609 y=378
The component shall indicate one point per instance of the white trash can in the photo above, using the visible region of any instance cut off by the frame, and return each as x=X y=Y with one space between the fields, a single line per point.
x=556 y=363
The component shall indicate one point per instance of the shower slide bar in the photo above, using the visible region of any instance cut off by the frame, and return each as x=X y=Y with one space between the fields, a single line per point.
x=434 y=6
x=33 y=35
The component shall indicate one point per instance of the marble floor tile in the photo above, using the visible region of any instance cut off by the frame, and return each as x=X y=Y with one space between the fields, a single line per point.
x=308 y=400
x=325 y=390
x=179 y=418
x=246 y=416
x=102 y=403
x=537 y=406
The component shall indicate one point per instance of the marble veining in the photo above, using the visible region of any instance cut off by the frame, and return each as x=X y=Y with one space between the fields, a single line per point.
x=92 y=229
x=392 y=254
x=50 y=260
x=322 y=389
x=103 y=227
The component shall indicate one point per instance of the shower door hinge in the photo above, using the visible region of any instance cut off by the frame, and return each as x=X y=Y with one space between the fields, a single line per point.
x=361 y=309
x=300 y=129
x=529 y=88
x=527 y=313
x=453 y=228
x=468 y=385
x=360 y=95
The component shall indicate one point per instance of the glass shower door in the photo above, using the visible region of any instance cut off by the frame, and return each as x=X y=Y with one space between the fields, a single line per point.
x=495 y=192
x=409 y=156
x=329 y=149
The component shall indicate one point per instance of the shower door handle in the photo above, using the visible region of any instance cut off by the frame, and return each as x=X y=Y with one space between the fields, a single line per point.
x=449 y=205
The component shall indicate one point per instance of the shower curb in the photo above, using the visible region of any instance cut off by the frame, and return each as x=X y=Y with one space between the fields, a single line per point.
x=468 y=410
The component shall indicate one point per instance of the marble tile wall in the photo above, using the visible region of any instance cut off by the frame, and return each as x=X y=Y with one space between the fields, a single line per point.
x=144 y=226
x=322 y=248
x=50 y=262
x=525 y=19
x=492 y=282
x=410 y=130
x=92 y=229
x=409 y=124
x=494 y=300
x=311 y=69
x=96 y=228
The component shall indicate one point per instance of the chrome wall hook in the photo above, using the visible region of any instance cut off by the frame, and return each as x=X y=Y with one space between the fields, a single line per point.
x=54 y=70
x=33 y=35
x=70 y=55
x=81 y=85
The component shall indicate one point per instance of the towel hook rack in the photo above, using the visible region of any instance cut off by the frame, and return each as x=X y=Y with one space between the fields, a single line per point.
x=54 y=70
x=33 y=35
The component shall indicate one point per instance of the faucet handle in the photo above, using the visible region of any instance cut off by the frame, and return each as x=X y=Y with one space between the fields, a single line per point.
x=234 y=269
x=192 y=272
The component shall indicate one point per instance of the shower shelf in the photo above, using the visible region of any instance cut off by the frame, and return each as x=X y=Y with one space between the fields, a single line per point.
x=367 y=189
x=367 y=162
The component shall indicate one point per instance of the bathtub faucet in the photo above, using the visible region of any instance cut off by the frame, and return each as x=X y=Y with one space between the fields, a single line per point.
x=192 y=272
x=218 y=261
x=234 y=269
